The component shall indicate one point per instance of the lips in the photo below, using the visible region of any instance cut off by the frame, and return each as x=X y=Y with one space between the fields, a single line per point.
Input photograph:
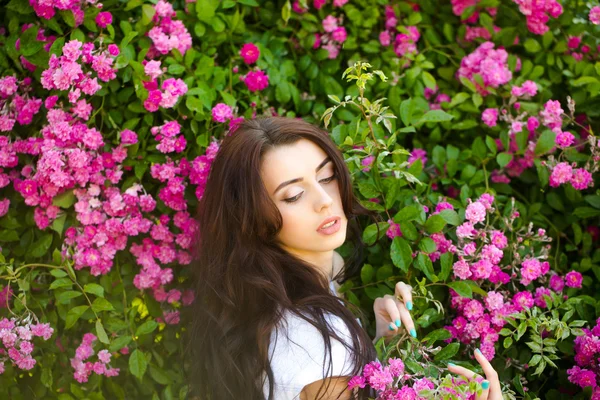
x=328 y=220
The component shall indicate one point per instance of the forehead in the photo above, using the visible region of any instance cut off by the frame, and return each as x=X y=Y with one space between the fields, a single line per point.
x=291 y=161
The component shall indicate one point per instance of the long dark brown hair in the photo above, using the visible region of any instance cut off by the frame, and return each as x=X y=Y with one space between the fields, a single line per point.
x=244 y=280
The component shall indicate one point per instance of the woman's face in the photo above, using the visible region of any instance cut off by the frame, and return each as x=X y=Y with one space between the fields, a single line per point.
x=306 y=203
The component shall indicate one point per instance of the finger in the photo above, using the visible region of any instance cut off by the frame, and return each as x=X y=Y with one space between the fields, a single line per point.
x=406 y=318
x=404 y=291
x=489 y=371
x=462 y=371
x=485 y=392
x=389 y=305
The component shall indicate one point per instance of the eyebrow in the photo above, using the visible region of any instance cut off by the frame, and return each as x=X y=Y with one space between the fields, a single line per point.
x=323 y=163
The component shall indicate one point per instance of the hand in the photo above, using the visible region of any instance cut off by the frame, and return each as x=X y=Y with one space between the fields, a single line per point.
x=491 y=384
x=391 y=314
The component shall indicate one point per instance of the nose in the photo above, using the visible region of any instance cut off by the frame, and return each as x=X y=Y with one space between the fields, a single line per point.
x=324 y=200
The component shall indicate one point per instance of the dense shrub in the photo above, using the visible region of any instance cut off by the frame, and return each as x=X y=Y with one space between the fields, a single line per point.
x=471 y=130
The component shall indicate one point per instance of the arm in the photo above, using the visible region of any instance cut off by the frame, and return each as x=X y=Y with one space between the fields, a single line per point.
x=338 y=389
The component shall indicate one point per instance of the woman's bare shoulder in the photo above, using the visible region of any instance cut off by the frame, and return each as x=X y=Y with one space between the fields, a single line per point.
x=338 y=389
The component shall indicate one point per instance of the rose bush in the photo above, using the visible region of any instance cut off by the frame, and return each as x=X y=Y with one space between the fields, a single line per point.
x=471 y=131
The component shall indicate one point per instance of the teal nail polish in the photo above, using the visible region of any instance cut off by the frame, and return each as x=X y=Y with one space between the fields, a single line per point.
x=391 y=327
x=408 y=305
x=398 y=323
x=413 y=333
x=485 y=385
x=451 y=365
x=478 y=351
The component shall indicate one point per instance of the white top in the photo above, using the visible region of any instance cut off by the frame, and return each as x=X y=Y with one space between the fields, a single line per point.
x=301 y=359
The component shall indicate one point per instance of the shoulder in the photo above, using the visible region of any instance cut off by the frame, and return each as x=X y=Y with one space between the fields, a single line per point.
x=298 y=353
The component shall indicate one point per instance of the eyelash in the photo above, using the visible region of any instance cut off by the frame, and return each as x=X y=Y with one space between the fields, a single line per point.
x=297 y=197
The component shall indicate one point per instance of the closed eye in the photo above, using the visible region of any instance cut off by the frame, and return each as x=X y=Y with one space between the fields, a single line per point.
x=297 y=197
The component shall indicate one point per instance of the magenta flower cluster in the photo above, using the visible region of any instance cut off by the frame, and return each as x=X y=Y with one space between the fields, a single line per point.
x=168 y=33
x=83 y=369
x=392 y=382
x=473 y=32
x=594 y=15
x=318 y=4
x=169 y=137
x=435 y=100
x=480 y=251
x=384 y=379
x=405 y=42
x=47 y=8
x=172 y=89
x=489 y=63
x=16 y=336
x=333 y=38
x=586 y=372
x=16 y=104
x=255 y=80
x=537 y=13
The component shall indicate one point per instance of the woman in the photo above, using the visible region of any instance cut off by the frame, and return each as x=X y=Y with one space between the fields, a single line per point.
x=267 y=322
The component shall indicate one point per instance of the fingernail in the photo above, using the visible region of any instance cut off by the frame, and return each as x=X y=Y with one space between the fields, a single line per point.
x=478 y=351
x=391 y=326
x=485 y=385
x=398 y=323
x=408 y=305
x=451 y=365
x=413 y=333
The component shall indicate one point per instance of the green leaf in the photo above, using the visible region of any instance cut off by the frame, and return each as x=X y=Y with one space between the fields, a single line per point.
x=146 y=328
x=29 y=44
x=406 y=111
x=251 y=3
x=20 y=6
x=446 y=261
x=74 y=314
x=120 y=342
x=401 y=253
x=428 y=80
x=459 y=98
x=94 y=288
x=101 y=304
x=438 y=334
x=176 y=69
x=586 y=212
x=406 y=214
x=491 y=144
x=424 y=264
x=137 y=364
x=65 y=297
x=584 y=80
x=205 y=9
x=102 y=336
x=435 y=223
x=447 y=352
x=41 y=246
x=504 y=158
x=286 y=11
x=462 y=288
x=370 y=232
x=366 y=273
x=532 y=45
x=450 y=216
x=147 y=13
x=158 y=375
x=435 y=116
x=9 y=236
x=427 y=245
x=545 y=142
x=62 y=282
